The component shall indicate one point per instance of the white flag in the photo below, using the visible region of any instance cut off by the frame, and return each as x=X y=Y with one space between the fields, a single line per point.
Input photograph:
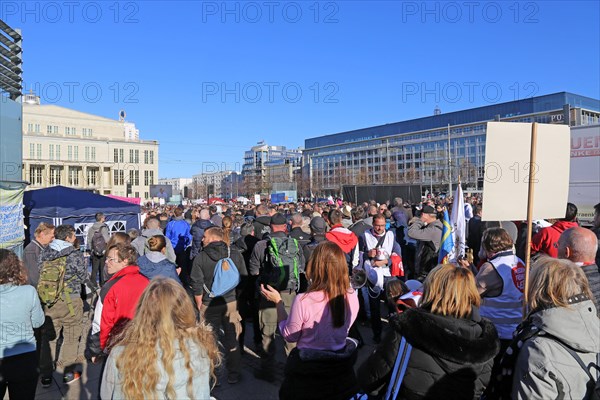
x=458 y=225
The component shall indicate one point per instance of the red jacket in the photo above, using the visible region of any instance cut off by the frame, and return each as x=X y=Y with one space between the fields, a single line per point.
x=546 y=240
x=118 y=299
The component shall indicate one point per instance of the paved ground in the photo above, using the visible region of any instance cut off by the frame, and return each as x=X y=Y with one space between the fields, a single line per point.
x=249 y=388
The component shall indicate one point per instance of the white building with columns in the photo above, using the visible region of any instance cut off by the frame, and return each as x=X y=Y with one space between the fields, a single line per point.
x=66 y=147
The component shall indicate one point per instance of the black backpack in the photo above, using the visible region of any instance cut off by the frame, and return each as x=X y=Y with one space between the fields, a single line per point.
x=98 y=245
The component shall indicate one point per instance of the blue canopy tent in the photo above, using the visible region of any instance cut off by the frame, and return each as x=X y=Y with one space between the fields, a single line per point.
x=62 y=205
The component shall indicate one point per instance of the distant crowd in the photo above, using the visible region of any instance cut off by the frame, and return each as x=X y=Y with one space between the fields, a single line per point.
x=173 y=303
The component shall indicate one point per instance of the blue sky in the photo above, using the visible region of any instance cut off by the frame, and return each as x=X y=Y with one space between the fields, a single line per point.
x=211 y=79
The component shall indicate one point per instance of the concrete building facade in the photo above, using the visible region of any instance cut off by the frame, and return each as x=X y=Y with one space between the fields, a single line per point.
x=66 y=147
x=265 y=165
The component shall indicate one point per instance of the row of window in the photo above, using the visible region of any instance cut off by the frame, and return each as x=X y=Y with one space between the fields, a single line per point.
x=53 y=130
x=134 y=156
x=35 y=152
x=36 y=176
x=134 y=177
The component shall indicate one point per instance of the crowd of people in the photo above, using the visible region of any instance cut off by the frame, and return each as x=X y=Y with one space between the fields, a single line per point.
x=173 y=302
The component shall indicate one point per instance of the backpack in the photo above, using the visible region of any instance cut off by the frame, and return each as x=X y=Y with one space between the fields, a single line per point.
x=226 y=277
x=284 y=258
x=51 y=285
x=98 y=243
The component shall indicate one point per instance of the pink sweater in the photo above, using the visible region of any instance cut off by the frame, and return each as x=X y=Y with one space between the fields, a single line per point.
x=310 y=323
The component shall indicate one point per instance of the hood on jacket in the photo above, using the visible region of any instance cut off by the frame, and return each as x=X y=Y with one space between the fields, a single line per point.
x=562 y=226
x=148 y=233
x=576 y=326
x=469 y=340
x=203 y=223
x=343 y=237
x=56 y=249
x=263 y=220
x=216 y=250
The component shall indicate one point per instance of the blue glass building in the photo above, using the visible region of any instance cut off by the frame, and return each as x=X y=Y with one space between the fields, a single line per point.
x=416 y=151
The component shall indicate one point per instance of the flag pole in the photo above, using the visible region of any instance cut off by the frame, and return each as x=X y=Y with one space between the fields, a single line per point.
x=530 y=193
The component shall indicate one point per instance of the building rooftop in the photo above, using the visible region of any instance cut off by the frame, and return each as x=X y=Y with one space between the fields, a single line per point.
x=537 y=104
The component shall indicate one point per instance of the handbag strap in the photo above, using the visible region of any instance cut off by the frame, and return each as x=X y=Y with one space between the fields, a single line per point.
x=399 y=370
x=592 y=381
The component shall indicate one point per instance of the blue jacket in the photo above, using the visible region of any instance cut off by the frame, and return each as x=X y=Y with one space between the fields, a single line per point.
x=154 y=264
x=20 y=312
x=178 y=232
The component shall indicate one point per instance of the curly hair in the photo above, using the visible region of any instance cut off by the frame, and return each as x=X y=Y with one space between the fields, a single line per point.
x=11 y=269
x=164 y=316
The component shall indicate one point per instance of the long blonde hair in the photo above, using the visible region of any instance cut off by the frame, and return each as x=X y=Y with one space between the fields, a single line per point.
x=450 y=291
x=164 y=314
x=553 y=281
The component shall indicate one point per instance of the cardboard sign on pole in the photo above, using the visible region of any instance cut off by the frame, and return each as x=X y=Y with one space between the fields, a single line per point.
x=507 y=168
x=544 y=190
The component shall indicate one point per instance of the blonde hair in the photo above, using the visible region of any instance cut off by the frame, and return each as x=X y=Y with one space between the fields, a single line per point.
x=553 y=281
x=164 y=314
x=450 y=291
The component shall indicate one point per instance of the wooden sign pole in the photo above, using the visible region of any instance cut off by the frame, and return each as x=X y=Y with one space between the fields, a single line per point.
x=530 y=193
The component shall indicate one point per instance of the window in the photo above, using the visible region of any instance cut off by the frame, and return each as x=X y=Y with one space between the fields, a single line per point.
x=73 y=176
x=131 y=155
x=49 y=129
x=118 y=177
x=58 y=151
x=37 y=128
x=151 y=181
x=136 y=156
x=30 y=128
x=134 y=177
x=146 y=157
x=151 y=156
x=86 y=132
x=92 y=176
x=93 y=154
x=39 y=151
x=146 y=178
x=35 y=174
x=67 y=130
x=70 y=153
x=145 y=195
x=55 y=173
x=31 y=151
x=76 y=153
x=51 y=152
x=119 y=155
x=73 y=131
x=55 y=129
x=86 y=152
x=137 y=194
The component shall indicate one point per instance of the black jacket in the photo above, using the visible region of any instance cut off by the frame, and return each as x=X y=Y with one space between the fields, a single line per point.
x=197 y=231
x=203 y=271
x=593 y=275
x=359 y=228
x=262 y=226
x=301 y=236
x=451 y=358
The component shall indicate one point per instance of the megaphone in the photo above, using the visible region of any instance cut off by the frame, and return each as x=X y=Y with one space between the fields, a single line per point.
x=358 y=278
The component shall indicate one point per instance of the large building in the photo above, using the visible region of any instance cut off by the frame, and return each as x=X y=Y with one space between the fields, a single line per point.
x=178 y=184
x=224 y=184
x=431 y=151
x=266 y=165
x=85 y=151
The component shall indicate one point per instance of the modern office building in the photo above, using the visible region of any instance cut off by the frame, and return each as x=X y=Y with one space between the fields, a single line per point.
x=11 y=147
x=266 y=165
x=66 y=147
x=431 y=151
